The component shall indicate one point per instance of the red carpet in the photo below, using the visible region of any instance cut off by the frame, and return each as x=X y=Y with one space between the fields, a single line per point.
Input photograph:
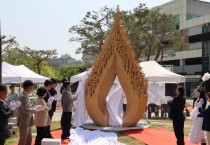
x=56 y=134
x=59 y=108
x=154 y=136
x=190 y=109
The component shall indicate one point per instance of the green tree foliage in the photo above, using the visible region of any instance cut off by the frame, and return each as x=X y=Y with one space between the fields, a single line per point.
x=92 y=31
x=68 y=71
x=8 y=42
x=149 y=31
x=39 y=57
x=48 y=71
x=133 y=22
x=16 y=56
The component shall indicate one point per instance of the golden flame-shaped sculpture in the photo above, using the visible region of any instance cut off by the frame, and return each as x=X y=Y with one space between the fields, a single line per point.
x=116 y=59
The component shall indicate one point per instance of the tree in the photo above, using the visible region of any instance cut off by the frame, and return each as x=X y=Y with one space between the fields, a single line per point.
x=169 y=38
x=68 y=71
x=156 y=29
x=92 y=31
x=39 y=57
x=83 y=67
x=134 y=22
x=7 y=44
x=16 y=56
x=147 y=31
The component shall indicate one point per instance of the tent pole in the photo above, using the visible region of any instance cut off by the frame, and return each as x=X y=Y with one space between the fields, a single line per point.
x=19 y=88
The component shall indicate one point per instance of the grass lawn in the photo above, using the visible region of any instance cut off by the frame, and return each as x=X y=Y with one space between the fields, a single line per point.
x=156 y=123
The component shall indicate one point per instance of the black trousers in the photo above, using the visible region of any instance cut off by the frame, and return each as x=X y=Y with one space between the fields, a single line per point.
x=41 y=133
x=50 y=112
x=66 y=123
x=2 y=140
x=178 y=125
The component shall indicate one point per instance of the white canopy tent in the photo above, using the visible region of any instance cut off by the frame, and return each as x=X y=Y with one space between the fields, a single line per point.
x=18 y=74
x=156 y=73
x=77 y=77
x=153 y=71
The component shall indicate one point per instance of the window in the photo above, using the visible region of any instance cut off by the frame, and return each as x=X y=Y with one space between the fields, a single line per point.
x=195 y=38
x=177 y=18
x=171 y=62
x=193 y=61
x=206 y=46
x=191 y=16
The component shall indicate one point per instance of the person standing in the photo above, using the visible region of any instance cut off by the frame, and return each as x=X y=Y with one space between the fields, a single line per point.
x=67 y=105
x=206 y=119
x=48 y=86
x=12 y=96
x=196 y=134
x=25 y=117
x=62 y=87
x=5 y=112
x=176 y=114
x=42 y=118
x=53 y=93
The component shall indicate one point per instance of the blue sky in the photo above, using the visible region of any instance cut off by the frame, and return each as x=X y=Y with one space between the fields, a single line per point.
x=44 y=24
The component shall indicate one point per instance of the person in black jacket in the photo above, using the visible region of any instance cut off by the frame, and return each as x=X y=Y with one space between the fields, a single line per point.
x=53 y=92
x=177 y=115
x=206 y=119
x=48 y=85
x=5 y=113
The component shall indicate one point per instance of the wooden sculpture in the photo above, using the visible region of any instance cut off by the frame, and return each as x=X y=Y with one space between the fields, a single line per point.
x=116 y=59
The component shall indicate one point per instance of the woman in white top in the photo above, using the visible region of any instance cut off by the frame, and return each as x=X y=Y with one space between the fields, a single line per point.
x=197 y=135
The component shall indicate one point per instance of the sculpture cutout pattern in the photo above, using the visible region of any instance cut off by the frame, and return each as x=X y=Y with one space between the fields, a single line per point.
x=116 y=59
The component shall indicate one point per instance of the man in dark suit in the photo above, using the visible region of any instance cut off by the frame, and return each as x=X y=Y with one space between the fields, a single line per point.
x=177 y=115
x=53 y=92
x=5 y=113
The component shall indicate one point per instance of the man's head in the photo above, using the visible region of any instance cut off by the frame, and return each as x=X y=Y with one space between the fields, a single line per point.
x=3 y=91
x=48 y=84
x=180 y=90
x=12 y=88
x=54 y=83
x=28 y=86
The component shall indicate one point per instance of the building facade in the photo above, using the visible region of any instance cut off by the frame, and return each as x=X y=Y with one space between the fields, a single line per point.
x=64 y=60
x=193 y=58
x=194 y=24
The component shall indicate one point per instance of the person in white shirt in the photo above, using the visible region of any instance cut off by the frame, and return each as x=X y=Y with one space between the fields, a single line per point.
x=12 y=96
